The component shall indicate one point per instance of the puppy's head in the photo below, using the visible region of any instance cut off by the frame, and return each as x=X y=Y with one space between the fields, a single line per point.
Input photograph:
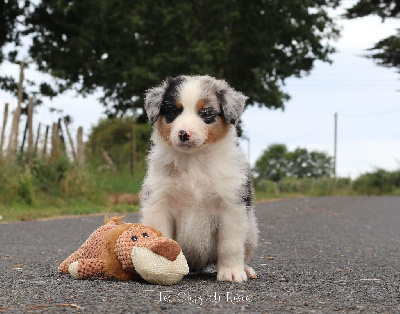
x=192 y=111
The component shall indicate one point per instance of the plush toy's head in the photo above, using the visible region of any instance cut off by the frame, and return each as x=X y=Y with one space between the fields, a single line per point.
x=128 y=251
x=154 y=258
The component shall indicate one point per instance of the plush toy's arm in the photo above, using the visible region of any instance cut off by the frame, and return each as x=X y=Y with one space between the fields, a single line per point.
x=63 y=268
x=87 y=268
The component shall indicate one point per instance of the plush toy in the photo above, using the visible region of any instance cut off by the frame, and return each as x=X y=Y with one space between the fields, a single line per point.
x=127 y=252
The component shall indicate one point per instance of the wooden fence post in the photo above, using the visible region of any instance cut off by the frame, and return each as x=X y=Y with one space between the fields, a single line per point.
x=46 y=136
x=3 y=130
x=11 y=150
x=37 y=138
x=61 y=139
x=55 y=143
x=81 y=148
x=21 y=80
x=21 y=149
x=20 y=96
x=13 y=139
x=70 y=139
x=13 y=145
x=108 y=160
x=30 y=129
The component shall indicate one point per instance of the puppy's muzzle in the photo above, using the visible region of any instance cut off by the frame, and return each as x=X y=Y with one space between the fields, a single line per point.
x=184 y=136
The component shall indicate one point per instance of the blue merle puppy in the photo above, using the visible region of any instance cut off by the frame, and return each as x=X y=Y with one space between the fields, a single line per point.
x=197 y=190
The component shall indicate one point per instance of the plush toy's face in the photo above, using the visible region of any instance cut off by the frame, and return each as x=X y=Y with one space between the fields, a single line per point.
x=135 y=236
x=156 y=259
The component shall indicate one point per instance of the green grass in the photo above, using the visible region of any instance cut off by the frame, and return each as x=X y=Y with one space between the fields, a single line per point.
x=119 y=183
x=61 y=189
x=266 y=196
x=23 y=212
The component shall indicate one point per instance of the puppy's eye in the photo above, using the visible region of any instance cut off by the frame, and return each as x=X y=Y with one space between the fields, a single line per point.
x=134 y=238
x=208 y=115
x=145 y=235
x=171 y=109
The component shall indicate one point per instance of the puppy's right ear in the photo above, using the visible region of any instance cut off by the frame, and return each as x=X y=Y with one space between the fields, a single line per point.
x=156 y=95
x=153 y=101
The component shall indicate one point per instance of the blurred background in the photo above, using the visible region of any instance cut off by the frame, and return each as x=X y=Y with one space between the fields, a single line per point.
x=322 y=79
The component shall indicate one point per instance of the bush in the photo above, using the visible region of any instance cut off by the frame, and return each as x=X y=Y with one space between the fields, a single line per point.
x=265 y=186
x=378 y=182
x=25 y=188
x=80 y=184
x=17 y=185
x=47 y=182
x=309 y=186
x=114 y=135
x=49 y=174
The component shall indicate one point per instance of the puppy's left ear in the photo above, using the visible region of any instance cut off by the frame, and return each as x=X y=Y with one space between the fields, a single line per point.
x=153 y=100
x=232 y=101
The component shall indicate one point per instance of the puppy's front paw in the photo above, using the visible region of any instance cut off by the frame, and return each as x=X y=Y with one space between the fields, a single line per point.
x=231 y=274
x=250 y=272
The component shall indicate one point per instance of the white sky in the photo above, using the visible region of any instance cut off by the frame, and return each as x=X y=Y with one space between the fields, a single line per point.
x=365 y=96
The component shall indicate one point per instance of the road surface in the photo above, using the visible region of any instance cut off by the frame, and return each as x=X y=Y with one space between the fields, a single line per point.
x=315 y=255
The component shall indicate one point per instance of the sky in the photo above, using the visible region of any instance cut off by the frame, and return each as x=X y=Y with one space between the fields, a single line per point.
x=365 y=96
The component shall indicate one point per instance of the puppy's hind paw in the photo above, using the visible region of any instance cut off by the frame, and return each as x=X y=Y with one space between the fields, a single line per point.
x=231 y=274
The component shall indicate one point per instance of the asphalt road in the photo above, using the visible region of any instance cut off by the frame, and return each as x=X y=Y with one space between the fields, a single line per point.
x=315 y=255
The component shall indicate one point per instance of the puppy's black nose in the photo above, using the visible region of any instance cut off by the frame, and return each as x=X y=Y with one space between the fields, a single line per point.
x=183 y=135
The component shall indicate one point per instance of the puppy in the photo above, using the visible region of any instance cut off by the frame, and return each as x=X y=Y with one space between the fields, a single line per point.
x=197 y=190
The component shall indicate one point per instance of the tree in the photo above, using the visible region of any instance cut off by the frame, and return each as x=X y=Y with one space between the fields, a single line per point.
x=12 y=27
x=386 y=52
x=123 y=47
x=304 y=164
x=277 y=163
x=9 y=13
x=272 y=165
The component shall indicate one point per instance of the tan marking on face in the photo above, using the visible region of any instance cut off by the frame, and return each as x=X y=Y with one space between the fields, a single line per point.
x=217 y=130
x=165 y=130
x=202 y=103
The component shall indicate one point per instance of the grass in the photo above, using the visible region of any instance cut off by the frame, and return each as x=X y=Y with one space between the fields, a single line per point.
x=61 y=189
x=59 y=208
x=49 y=206
x=84 y=194
x=54 y=189
x=120 y=183
x=23 y=212
x=261 y=196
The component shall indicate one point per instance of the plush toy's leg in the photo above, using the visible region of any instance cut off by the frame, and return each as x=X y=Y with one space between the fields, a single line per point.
x=63 y=268
x=87 y=268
